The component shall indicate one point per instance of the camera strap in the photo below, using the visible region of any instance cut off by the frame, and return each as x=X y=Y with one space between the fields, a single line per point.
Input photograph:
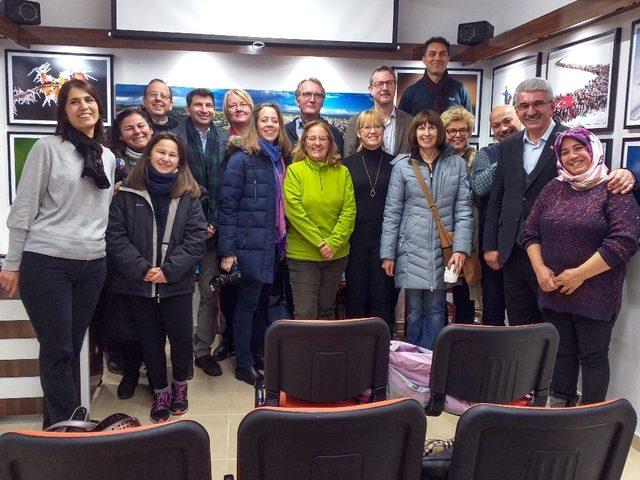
x=171 y=216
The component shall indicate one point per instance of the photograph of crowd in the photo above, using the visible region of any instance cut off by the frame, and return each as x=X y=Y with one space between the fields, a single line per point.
x=582 y=74
x=34 y=80
x=632 y=111
x=337 y=108
x=507 y=77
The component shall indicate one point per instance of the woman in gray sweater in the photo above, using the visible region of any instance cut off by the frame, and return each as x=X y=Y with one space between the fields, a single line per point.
x=57 y=229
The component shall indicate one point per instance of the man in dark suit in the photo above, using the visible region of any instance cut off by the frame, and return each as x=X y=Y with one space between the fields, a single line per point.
x=382 y=86
x=527 y=163
x=310 y=97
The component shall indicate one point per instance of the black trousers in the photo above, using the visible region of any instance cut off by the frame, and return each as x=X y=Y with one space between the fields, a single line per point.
x=493 y=304
x=60 y=296
x=584 y=344
x=170 y=318
x=521 y=289
x=370 y=291
x=465 y=307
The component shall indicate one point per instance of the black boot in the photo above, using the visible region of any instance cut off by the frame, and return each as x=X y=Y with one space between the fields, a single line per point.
x=128 y=384
x=224 y=350
x=249 y=375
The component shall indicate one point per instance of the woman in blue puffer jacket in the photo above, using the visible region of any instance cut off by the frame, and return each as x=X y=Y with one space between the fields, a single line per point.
x=410 y=244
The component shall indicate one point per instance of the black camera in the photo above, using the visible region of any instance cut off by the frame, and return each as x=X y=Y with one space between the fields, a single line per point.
x=225 y=278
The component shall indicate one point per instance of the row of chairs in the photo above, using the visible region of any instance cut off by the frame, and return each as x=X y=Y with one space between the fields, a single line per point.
x=294 y=436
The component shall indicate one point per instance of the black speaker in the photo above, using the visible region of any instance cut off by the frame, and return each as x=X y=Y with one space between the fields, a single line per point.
x=22 y=12
x=474 y=32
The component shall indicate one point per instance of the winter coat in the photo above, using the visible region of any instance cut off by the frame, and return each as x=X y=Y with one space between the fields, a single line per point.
x=247 y=214
x=409 y=232
x=132 y=244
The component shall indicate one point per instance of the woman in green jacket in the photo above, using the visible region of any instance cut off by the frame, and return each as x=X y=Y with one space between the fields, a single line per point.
x=321 y=209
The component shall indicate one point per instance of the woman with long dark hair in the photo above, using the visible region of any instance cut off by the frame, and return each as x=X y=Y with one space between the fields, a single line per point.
x=57 y=240
x=156 y=235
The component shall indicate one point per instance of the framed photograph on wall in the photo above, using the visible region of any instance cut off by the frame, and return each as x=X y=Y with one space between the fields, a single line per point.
x=583 y=75
x=471 y=79
x=20 y=144
x=508 y=76
x=632 y=102
x=607 y=146
x=475 y=145
x=631 y=155
x=34 y=80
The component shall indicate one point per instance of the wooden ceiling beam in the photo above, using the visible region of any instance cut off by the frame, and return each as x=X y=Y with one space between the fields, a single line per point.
x=560 y=21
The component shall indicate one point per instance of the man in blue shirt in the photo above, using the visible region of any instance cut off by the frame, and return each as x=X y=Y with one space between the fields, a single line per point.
x=436 y=90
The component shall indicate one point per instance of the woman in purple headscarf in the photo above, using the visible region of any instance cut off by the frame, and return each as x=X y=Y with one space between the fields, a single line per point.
x=579 y=237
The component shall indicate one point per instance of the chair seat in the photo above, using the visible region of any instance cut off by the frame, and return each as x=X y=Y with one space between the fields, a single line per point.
x=436 y=465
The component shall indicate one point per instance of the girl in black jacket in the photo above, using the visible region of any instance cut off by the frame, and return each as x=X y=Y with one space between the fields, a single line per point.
x=156 y=235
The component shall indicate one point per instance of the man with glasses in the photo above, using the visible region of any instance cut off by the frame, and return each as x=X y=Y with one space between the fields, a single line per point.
x=436 y=90
x=382 y=86
x=526 y=163
x=206 y=145
x=310 y=98
x=158 y=102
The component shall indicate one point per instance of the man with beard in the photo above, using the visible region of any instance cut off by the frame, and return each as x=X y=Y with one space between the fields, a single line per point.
x=382 y=86
x=206 y=144
x=504 y=122
x=435 y=91
x=525 y=165
x=158 y=103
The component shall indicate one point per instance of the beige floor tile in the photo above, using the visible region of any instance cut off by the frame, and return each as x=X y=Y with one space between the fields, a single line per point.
x=20 y=422
x=232 y=466
x=632 y=467
x=218 y=428
x=219 y=469
x=232 y=446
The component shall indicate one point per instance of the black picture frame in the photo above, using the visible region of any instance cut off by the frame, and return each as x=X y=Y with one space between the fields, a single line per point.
x=598 y=119
x=33 y=79
x=607 y=145
x=632 y=99
x=522 y=67
x=630 y=157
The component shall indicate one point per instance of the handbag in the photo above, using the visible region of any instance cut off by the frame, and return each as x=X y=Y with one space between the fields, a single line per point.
x=79 y=422
x=471 y=268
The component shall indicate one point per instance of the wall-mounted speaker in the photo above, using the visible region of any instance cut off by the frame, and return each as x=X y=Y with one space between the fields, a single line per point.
x=22 y=12
x=474 y=32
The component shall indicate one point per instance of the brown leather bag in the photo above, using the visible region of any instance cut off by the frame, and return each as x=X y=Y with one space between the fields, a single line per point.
x=471 y=268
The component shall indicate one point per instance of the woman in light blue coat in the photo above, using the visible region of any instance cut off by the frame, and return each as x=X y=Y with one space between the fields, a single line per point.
x=410 y=244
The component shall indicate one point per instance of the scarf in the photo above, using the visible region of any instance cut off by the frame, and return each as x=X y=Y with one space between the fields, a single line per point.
x=597 y=171
x=274 y=152
x=132 y=155
x=438 y=91
x=159 y=186
x=91 y=151
x=204 y=165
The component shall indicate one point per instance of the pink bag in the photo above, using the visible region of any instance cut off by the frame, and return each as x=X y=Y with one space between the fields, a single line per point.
x=409 y=373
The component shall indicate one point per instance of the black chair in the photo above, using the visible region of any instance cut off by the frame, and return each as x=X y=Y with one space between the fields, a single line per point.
x=375 y=441
x=172 y=451
x=500 y=442
x=324 y=361
x=492 y=364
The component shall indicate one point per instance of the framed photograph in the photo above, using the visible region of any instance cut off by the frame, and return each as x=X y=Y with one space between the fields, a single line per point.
x=34 y=80
x=632 y=102
x=19 y=144
x=475 y=145
x=631 y=155
x=471 y=79
x=607 y=146
x=583 y=75
x=508 y=76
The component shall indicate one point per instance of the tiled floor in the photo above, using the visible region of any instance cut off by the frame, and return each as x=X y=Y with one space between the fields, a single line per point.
x=219 y=404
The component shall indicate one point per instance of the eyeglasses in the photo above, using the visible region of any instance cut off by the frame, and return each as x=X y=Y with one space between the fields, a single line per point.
x=308 y=95
x=388 y=83
x=239 y=106
x=318 y=138
x=523 y=107
x=369 y=128
x=156 y=94
x=452 y=132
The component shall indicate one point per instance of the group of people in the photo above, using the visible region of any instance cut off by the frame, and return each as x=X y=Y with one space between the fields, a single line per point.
x=293 y=207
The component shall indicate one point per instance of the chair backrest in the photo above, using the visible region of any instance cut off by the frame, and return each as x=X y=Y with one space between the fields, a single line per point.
x=172 y=451
x=326 y=360
x=581 y=443
x=382 y=440
x=492 y=364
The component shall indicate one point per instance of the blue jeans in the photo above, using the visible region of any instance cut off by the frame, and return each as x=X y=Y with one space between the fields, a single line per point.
x=425 y=314
x=249 y=319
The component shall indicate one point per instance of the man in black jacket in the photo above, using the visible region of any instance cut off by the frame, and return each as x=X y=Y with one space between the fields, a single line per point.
x=527 y=163
x=158 y=103
x=310 y=98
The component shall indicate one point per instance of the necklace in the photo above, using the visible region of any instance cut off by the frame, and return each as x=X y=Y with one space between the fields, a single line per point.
x=372 y=192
